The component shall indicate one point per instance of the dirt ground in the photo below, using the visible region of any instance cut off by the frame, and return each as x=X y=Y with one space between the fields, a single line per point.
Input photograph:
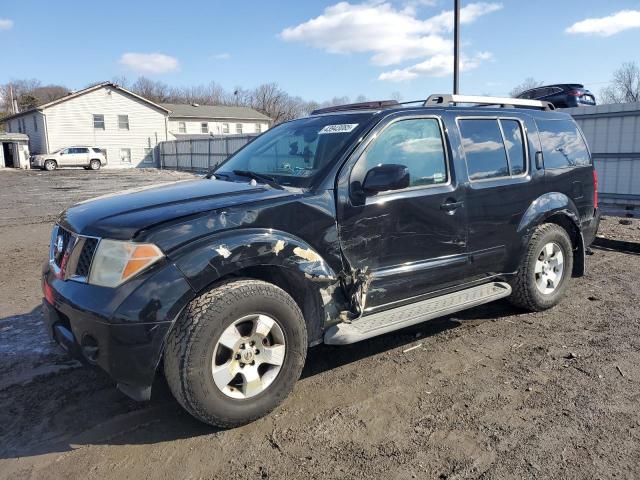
x=490 y=393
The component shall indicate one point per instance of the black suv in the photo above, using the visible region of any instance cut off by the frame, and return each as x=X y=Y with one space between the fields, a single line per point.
x=350 y=223
x=562 y=95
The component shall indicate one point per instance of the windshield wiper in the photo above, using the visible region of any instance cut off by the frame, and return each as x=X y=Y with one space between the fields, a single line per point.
x=259 y=177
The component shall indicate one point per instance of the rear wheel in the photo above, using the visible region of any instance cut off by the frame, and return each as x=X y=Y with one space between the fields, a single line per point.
x=236 y=352
x=50 y=165
x=545 y=270
x=94 y=165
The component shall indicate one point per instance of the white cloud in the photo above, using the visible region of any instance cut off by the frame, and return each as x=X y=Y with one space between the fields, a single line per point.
x=221 y=56
x=391 y=35
x=6 y=24
x=436 y=66
x=607 y=26
x=149 y=63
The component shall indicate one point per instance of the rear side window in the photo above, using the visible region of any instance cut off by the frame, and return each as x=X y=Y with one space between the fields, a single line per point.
x=513 y=140
x=483 y=148
x=562 y=144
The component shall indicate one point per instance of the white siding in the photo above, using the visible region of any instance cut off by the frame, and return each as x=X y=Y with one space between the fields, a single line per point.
x=71 y=123
x=193 y=126
x=37 y=142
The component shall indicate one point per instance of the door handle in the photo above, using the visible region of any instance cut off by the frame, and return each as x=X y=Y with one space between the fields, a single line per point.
x=451 y=206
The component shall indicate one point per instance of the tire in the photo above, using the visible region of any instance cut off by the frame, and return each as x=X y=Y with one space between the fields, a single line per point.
x=190 y=365
x=95 y=165
x=50 y=165
x=539 y=287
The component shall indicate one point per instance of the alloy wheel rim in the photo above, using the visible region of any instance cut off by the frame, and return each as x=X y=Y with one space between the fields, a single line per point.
x=549 y=268
x=248 y=356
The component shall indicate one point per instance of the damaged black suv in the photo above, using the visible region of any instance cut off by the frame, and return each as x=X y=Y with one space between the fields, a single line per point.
x=353 y=222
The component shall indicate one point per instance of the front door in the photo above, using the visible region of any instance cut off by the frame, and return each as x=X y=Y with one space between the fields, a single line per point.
x=67 y=158
x=406 y=242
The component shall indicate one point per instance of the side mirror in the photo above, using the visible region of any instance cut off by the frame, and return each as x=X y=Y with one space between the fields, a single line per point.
x=386 y=177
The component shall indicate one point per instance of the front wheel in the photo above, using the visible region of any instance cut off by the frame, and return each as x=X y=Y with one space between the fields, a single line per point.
x=50 y=165
x=236 y=352
x=545 y=270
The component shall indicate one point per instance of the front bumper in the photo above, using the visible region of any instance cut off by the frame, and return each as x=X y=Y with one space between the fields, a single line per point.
x=122 y=330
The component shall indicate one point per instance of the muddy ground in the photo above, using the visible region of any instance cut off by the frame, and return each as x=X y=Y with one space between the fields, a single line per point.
x=490 y=393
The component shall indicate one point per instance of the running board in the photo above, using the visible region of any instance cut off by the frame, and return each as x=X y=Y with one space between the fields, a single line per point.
x=407 y=315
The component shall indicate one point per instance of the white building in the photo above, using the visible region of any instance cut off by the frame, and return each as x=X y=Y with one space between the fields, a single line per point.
x=126 y=125
x=197 y=119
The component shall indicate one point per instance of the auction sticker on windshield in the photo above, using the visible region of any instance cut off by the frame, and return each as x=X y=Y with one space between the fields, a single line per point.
x=342 y=128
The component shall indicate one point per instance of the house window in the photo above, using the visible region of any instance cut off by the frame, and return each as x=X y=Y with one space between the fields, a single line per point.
x=258 y=129
x=225 y=128
x=98 y=122
x=148 y=155
x=125 y=155
x=35 y=123
x=204 y=127
x=123 y=122
x=182 y=127
x=238 y=128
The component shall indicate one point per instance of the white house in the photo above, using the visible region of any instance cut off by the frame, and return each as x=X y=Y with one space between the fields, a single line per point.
x=197 y=119
x=126 y=125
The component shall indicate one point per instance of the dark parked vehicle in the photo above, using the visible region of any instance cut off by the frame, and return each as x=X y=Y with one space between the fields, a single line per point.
x=353 y=222
x=562 y=95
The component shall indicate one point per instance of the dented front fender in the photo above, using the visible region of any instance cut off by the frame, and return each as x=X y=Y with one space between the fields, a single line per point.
x=207 y=260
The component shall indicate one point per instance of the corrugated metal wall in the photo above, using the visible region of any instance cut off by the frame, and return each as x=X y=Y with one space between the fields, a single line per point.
x=613 y=134
x=201 y=153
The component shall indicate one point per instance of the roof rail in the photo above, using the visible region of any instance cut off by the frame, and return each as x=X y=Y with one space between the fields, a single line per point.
x=377 y=104
x=447 y=99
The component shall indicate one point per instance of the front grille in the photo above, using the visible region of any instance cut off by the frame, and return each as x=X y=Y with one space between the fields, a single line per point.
x=72 y=254
x=60 y=248
x=86 y=256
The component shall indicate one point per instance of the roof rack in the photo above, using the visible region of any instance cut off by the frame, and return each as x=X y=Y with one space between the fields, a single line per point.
x=377 y=104
x=504 y=102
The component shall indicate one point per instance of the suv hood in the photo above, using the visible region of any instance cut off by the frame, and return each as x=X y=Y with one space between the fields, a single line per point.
x=122 y=215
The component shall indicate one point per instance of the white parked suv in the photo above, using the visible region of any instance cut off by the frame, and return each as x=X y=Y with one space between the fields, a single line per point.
x=81 y=156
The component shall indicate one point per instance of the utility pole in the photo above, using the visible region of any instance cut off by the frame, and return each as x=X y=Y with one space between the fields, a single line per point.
x=456 y=47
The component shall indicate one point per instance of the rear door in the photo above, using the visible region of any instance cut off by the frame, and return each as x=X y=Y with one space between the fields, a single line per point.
x=406 y=242
x=502 y=183
x=82 y=157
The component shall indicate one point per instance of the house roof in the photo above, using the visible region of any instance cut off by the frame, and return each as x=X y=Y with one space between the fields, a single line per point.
x=13 y=137
x=213 y=112
x=83 y=92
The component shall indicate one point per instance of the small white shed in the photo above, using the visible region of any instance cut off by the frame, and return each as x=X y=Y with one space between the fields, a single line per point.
x=14 y=150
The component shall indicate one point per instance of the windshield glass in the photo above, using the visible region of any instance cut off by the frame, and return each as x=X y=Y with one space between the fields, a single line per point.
x=295 y=153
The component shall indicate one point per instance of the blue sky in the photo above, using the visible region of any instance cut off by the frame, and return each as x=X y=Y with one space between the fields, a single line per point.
x=319 y=49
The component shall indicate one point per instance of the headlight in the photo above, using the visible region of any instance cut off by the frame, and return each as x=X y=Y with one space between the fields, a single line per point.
x=115 y=261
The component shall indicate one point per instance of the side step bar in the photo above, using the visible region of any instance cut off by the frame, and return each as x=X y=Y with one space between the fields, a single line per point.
x=407 y=315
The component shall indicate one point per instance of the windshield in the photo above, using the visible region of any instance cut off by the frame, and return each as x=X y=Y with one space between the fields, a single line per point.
x=295 y=153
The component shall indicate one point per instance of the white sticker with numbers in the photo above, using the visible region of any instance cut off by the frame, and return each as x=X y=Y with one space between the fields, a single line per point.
x=342 y=128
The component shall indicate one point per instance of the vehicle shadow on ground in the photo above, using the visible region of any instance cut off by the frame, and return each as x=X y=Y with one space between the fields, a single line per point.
x=60 y=412
x=611 y=245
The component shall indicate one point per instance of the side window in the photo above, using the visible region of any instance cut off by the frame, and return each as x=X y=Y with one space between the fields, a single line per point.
x=82 y=150
x=483 y=148
x=123 y=122
x=415 y=143
x=562 y=144
x=513 y=140
x=204 y=127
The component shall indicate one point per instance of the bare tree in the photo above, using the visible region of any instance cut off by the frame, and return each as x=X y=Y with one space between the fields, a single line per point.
x=29 y=93
x=527 y=84
x=625 y=85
